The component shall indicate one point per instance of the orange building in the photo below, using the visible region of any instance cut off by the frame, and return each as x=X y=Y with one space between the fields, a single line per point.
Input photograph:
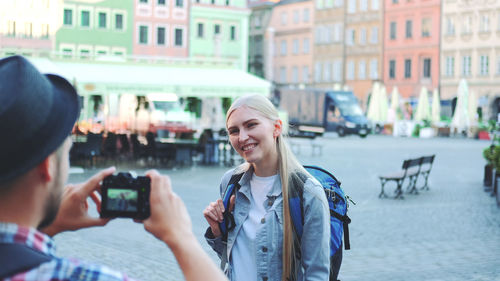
x=411 y=45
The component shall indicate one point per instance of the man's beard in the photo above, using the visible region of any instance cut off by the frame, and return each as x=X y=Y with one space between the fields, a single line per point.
x=54 y=200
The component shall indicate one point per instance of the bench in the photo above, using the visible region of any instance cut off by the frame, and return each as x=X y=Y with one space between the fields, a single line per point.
x=411 y=169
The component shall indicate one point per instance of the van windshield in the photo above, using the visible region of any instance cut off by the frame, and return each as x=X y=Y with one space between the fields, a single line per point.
x=350 y=109
x=347 y=103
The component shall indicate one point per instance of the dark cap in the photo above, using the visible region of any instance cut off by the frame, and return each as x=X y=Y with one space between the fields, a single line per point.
x=37 y=113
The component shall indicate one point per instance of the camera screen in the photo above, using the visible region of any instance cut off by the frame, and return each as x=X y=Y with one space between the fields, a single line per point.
x=123 y=200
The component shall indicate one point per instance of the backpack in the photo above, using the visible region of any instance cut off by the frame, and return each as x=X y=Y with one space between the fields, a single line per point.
x=16 y=258
x=337 y=202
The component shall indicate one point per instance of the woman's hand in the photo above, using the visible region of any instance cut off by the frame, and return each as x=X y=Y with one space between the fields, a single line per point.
x=213 y=213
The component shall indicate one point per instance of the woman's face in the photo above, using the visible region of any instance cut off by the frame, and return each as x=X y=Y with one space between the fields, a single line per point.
x=253 y=136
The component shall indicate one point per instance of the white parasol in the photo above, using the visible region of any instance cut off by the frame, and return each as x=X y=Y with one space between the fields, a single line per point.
x=436 y=107
x=423 y=107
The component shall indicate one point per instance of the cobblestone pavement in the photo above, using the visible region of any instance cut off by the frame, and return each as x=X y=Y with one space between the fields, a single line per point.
x=451 y=232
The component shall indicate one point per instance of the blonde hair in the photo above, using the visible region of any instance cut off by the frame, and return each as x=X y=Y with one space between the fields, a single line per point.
x=288 y=168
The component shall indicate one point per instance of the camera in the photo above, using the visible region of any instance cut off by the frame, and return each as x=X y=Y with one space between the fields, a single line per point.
x=125 y=196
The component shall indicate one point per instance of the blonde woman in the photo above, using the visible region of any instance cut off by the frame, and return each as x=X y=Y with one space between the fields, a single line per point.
x=262 y=245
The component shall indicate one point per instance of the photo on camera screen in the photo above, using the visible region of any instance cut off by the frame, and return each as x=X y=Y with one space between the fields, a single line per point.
x=123 y=200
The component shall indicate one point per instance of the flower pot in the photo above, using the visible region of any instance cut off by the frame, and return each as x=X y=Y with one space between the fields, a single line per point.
x=488 y=170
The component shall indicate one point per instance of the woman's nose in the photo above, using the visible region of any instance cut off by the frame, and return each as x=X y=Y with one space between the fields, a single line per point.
x=242 y=136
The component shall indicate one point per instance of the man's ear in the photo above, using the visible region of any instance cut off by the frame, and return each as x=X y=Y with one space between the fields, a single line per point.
x=278 y=127
x=44 y=169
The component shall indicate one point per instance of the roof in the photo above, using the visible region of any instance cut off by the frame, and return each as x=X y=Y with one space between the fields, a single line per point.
x=93 y=77
x=286 y=2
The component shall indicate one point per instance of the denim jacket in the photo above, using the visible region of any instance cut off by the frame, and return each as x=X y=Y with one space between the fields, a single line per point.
x=315 y=249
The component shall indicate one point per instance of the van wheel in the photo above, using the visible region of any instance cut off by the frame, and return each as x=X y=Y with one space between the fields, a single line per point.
x=341 y=131
x=363 y=135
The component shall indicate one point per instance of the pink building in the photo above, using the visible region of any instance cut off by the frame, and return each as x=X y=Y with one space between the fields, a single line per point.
x=290 y=33
x=161 y=28
x=411 y=45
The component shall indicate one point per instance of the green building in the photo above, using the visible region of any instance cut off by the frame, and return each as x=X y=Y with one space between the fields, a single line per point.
x=219 y=31
x=98 y=28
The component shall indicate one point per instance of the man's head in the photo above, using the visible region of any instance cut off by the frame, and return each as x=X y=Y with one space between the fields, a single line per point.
x=37 y=114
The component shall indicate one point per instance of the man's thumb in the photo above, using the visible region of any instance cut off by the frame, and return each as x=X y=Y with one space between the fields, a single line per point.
x=231 y=202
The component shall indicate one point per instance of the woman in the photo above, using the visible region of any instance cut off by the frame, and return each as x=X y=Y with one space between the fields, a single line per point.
x=263 y=245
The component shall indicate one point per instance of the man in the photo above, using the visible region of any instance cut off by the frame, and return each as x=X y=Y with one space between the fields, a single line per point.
x=37 y=114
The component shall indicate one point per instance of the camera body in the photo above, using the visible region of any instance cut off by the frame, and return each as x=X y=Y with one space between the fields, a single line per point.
x=125 y=196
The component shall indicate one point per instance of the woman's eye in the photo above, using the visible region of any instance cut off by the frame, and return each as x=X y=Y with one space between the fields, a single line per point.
x=250 y=125
x=232 y=132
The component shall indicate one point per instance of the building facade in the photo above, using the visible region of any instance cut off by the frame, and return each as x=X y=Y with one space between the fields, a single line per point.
x=29 y=27
x=93 y=28
x=411 y=45
x=259 y=45
x=328 y=45
x=470 y=42
x=219 y=31
x=161 y=28
x=363 y=46
x=291 y=31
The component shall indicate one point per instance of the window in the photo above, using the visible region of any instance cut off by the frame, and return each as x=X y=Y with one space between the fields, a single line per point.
x=375 y=5
x=350 y=70
x=227 y=2
x=338 y=3
x=374 y=69
x=283 y=74
x=374 y=36
x=178 y=37
x=319 y=4
x=350 y=36
x=498 y=66
x=295 y=74
x=351 y=6
x=296 y=17
x=305 y=16
x=200 y=30
x=392 y=69
x=84 y=54
x=256 y=21
x=143 y=1
x=295 y=46
x=68 y=17
x=28 y=29
x=392 y=29
x=11 y=28
x=484 y=25
x=143 y=34
x=484 y=62
x=102 y=20
x=305 y=74
x=498 y=24
x=283 y=48
x=179 y=3
x=466 y=65
x=305 y=46
x=160 y=35
x=363 y=5
x=426 y=27
x=232 y=36
x=362 y=70
x=217 y=29
x=161 y=2
x=337 y=32
x=395 y=1
x=450 y=26
x=45 y=31
x=409 y=27
x=450 y=66
x=317 y=72
x=283 y=18
x=328 y=3
x=337 y=70
x=67 y=53
x=362 y=36
x=467 y=24
x=427 y=68
x=119 y=21
x=326 y=72
x=408 y=68
x=85 y=19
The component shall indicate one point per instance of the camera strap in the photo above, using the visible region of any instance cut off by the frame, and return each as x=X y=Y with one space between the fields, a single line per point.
x=17 y=258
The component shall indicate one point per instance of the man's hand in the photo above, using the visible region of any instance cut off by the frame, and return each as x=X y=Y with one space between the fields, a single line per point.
x=73 y=211
x=169 y=220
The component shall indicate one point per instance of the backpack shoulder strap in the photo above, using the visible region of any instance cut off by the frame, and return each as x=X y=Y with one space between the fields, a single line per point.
x=16 y=258
x=296 y=202
x=231 y=188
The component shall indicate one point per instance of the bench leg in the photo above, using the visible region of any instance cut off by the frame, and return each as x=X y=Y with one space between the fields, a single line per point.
x=412 y=186
x=382 y=193
x=399 y=190
x=426 y=177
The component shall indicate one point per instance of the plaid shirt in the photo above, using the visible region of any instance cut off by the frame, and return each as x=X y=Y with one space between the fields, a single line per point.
x=57 y=268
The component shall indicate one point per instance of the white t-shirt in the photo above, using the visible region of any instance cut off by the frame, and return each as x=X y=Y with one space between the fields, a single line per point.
x=243 y=252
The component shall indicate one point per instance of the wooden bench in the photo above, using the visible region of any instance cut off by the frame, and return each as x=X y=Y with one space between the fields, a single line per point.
x=411 y=169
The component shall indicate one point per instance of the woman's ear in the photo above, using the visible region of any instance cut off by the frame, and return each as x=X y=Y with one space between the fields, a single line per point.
x=278 y=127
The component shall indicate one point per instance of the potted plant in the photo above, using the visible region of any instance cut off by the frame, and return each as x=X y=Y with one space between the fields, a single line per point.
x=489 y=156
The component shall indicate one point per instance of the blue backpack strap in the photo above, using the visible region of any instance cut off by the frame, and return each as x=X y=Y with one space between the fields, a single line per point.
x=17 y=258
x=228 y=221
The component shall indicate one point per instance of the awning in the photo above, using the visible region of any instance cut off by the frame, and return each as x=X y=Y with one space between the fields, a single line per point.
x=105 y=78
